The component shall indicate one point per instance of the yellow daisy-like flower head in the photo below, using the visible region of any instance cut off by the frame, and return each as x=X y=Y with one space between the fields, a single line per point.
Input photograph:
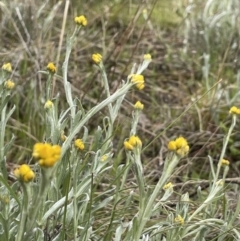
x=234 y=110
x=138 y=79
x=138 y=106
x=51 y=68
x=179 y=219
x=46 y=154
x=24 y=173
x=79 y=144
x=7 y=67
x=81 y=20
x=97 y=58
x=48 y=105
x=180 y=146
x=9 y=84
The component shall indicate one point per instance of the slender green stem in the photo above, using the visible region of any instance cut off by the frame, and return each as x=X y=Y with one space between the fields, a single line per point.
x=2 y=135
x=46 y=174
x=135 y=122
x=49 y=87
x=225 y=143
x=140 y=181
x=67 y=85
x=106 y=86
x=146 y=213
x=24 y=212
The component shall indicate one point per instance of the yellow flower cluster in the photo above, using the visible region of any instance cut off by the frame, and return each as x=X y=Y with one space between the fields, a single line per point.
x=179 y=219
x=79 y=144
x=97 y=58
x=7 y=67
x=225 y=162
x=138 y=79
x=234 y=110
x=138 y=106
x=133 y=142
x=51 y=68
x=81 y=20
x=24 y=173
x=9 y=84
x=180 y=146
x=48 y=105
x=46 y=154
x=168 y=186
x=147 y=57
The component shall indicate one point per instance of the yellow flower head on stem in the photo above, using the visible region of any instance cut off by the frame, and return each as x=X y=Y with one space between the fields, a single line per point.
x=138 y=79
x=7 y=67
x=79 y=144
x=24 y=173
x=97 y=58
x=225 y=162
x=46 y=154
x=179 y=145
x=48 y=105
x=234 y=110
x=81 y=20
x=138 y=106
x=9 y=84
x=133 y=142
x=179 y=219
x=51 y=68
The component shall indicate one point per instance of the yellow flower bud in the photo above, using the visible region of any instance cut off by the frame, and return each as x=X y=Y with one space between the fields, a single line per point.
x=225 y=162
x=234 y=110
x=25 y=173
x=138 y=105
x=9 y=84
x=81 y=20
x=79 y=144
x=48 y=105
x=51 y=68
x=138 y=79
x=97 y=58
x=147 y=57
x=168 y=186
x=7 y=67
x=104 y=158
x=179 y=219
